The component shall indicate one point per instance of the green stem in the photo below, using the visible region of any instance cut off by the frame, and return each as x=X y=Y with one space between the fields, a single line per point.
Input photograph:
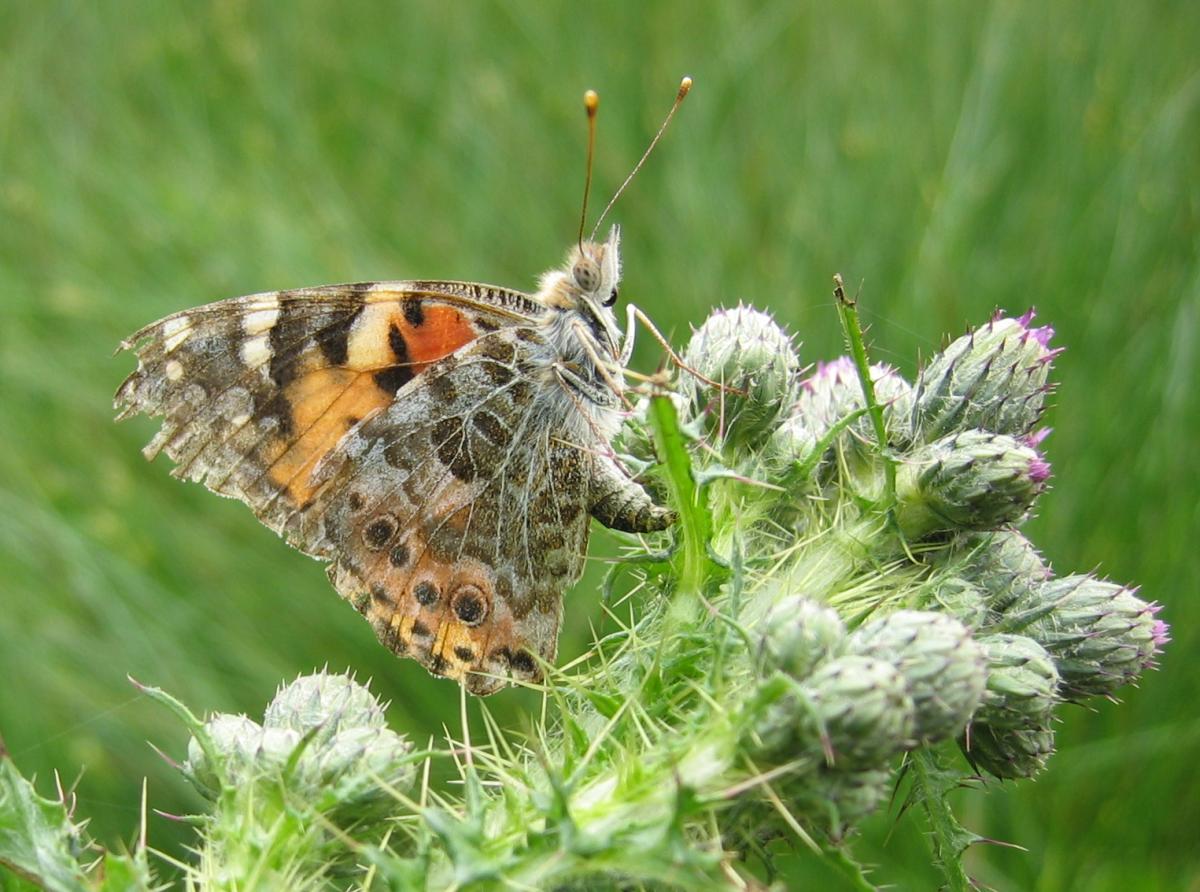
x=849 y=869
x=695 y=522
x=933 y=781
x=848 y=313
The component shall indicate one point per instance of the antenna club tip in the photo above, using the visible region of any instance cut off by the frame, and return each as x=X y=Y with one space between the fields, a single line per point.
x=591 y=101
x=684 y=86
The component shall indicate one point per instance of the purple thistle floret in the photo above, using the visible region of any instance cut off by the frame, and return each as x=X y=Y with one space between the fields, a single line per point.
x=1160 y=632
x=1034 y=440
x=1039 y=470
x=839 y=371
x=1042 y=334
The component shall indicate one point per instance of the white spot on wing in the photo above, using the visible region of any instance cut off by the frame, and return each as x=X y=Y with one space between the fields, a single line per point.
x=236 y=406
x=175 y=332
x=173 y=370
x=260 y=321
x=256 y=351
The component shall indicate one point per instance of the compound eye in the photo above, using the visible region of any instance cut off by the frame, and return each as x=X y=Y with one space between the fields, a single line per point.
x=587 y=275
x=612 y=298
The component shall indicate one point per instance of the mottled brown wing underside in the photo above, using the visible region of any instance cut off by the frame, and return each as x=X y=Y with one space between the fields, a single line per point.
x=400 y=431
x=254 y=391
x=456 y=518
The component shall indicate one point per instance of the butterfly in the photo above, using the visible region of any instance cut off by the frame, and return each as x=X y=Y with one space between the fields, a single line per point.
x=442 y=445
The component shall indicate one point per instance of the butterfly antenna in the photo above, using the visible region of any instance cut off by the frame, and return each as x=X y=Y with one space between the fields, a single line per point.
x=591 y=102
x=684 y=86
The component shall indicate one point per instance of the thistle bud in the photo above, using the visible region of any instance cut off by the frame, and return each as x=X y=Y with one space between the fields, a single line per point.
x=1022 y=684
x=358 y=768
x=1101 y=635
x=235 y=740
x=1008 y=753
x=861 y=711
x=993 y=378
x=943 y=666
x=326 y=701
x=798 y=633
x=833 y=392
x=837 y=800
x=745 y=350
x=956 y=597
x=972 y=481
x=324 y=736
x=1006 y=566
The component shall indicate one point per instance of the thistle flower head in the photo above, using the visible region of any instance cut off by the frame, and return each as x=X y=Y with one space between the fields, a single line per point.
x=323 y=735
x=798 y=634
x=1022 y=683
x=970 y=481
x=834 y=392
x=861 y=711
x=745 y=350
x=943 y=666
x=1101 y=635
x=1008 y=753
x=992 y=378
x=324 y=701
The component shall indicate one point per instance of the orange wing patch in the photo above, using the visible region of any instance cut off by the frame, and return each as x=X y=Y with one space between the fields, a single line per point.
x=325 y=403
x=407 y=333
x=386 y=346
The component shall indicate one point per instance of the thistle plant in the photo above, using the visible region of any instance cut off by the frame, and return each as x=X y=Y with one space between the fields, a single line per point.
x=847 y=614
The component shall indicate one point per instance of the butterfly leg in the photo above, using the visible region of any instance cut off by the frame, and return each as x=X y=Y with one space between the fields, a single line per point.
x=620 y=503
x=633 y=314
x=601 y=366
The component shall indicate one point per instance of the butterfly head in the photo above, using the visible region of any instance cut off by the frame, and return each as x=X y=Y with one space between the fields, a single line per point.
x=596 y=269
x=586 y=286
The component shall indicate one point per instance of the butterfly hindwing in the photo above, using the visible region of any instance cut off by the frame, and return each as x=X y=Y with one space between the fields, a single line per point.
x=456 y=518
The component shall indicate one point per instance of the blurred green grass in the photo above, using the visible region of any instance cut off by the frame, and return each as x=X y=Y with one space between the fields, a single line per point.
x=952 y=157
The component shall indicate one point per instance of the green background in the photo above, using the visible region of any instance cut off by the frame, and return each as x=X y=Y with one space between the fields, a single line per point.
x=951 y=157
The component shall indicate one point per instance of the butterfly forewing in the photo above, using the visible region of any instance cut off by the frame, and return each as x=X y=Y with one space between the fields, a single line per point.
x=256 y=390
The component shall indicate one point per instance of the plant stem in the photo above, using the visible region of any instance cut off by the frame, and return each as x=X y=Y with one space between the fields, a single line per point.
x=848 y=314
x=694 y=520
x=932 y=782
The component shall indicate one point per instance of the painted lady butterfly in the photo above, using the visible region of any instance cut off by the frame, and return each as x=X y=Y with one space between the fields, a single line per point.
x=442 y=444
